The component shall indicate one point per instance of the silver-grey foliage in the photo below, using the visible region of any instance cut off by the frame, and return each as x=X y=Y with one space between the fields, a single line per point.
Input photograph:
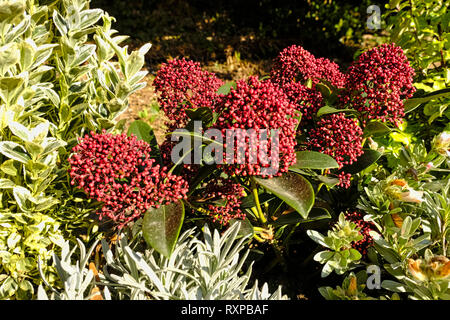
x=198 y=269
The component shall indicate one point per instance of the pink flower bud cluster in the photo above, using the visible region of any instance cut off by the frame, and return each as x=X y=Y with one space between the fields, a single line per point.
x=307 y=100
x=295 y=64
x=181 y=85
x=344 y=180
x=258 y=105
x=365 y=227
x=224 y=190
x=118 y=171
x=339 y=137
x=378 y=82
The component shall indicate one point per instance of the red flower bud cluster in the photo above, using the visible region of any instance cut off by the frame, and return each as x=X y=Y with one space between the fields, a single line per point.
x=295 y=64
x=181 y=85
x=258 y=105
x=365 y=227
x=339 y=137
x=307 y=100
x=228 y=196
x=378 y=82
x=344 y=180
x=118 y=171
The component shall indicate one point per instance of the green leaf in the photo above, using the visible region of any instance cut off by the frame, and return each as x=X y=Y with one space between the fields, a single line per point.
x=245 y=227
x=376 y=129
x=65 y=114
x=329 y=110
x=293 y=189
x=9 y=168
x=135 y=62
x=6 y=184
x=317 y=237
x=413 y=103
x=20 y=131
x=52 y=144
x=328 y=181
x=9 y=56
x=323 y=89
x=406 y=226
x=203 y=114
x=89 y=17
x=249 y=201
x=60 y=23
x=365 y=160
x=393 y=286
x=314 y=160
x=323 y=256
x=8 y=87
x=354 y=254
x=293 y=218
x=161 y=227
x=14 y=151
x=8 y=287
x=26 y=55
x=143 y=131
x=34 y=149
x=21 y=195
x=226 y=88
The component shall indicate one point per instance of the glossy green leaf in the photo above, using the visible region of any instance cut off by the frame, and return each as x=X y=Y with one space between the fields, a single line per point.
x=203 y=114
x=365 y=160
x=329 y=110
x=293 y=218
x=143 y=131
x=413 y=103
x=376 y=129
x=314 y=160
x=293 y=189
x=226 y=88
x=161 y=227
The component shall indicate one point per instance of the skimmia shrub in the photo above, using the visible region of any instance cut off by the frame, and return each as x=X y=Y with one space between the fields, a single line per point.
x=324 y=139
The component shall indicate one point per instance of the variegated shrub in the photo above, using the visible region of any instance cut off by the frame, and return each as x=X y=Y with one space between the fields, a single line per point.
x=63 y=73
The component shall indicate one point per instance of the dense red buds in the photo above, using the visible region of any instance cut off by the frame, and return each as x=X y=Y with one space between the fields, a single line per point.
x=295 y=64
x=118 y=171
x=258 y=105
x=227 y=196
x=181 y=85
x=378 y=82
x=339 y=137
